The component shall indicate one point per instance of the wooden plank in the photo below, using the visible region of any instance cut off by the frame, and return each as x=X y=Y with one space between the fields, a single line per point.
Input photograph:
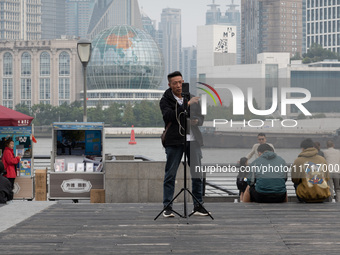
x=66 y=228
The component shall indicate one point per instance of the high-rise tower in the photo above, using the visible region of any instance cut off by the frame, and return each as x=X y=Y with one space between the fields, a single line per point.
x=78 y=15
x=20 y=19
x=109 y=13
x=52 y=19
x=270 y=26
x=170 y=27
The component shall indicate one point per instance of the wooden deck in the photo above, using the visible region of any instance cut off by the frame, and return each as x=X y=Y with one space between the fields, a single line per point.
x=238 y=228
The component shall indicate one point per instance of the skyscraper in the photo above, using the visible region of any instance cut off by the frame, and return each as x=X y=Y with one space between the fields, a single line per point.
x=270 y=26
x=189 y=63
x=231 y=17
x=170 y=26
x=78 y=15
x=213 y=15
x=149 y=25
x=109 y=13
x=52 y=19
x=322 y=24
x=20 y=20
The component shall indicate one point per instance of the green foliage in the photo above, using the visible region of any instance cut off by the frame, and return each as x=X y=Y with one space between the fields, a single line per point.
x=128 y=117
x=113 y=115
x=296 y=56
x=44 y=114
x=95 y=114
x=317 y=53
x=143 y=114
x=148 y=114
x=23 y=109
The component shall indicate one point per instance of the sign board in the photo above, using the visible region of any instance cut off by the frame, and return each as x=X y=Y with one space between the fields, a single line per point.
x=225 y=39
x=74 y=185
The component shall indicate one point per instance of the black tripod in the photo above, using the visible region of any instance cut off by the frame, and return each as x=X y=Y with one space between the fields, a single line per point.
x=186 y=96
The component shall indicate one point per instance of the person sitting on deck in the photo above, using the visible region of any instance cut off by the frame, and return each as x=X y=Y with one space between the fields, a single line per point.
x=310 y=174
x=267 y=178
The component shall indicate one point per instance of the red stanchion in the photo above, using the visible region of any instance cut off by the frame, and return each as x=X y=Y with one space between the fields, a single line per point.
x=132 y=137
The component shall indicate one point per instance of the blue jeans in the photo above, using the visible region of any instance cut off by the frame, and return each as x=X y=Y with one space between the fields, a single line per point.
x=173 y=159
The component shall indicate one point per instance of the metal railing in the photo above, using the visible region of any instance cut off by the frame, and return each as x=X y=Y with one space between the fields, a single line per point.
x=217 y=184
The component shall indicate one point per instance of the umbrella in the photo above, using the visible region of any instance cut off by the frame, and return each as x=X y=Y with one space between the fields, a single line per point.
x=9 y=118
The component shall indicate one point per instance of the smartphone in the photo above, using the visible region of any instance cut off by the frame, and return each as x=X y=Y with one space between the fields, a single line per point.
x=185 y=87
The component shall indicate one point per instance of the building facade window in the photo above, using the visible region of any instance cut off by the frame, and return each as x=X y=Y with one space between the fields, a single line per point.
x=7 y=64
x=26 y=64
x=45 y=64
x=26 y=91
x=44 y=91
x=7 y=92
x=64 y=64
x=64 y=91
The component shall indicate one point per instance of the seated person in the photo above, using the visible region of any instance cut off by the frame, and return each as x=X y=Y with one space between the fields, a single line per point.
x=241 y=179
x=267 y=179
x=6 y=193
x=310 y=174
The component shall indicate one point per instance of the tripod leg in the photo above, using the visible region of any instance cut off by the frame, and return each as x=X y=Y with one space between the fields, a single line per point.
x=170 y=203
x=200 y=204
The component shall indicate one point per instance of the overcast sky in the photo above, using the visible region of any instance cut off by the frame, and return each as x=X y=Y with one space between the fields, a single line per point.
x=193 y=14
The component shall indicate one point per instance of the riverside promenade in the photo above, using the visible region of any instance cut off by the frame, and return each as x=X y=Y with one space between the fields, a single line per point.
x=30 y=227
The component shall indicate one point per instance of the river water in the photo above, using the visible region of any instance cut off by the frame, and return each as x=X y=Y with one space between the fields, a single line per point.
x=152 y=148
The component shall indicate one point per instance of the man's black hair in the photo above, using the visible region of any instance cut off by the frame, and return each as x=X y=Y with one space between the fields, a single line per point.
x=174 y=74
x=264 y=147
x=307 y=143
x=261 y=134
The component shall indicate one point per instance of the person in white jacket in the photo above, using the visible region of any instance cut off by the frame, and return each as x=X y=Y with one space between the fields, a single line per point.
x=261 y=138
x=332 y=157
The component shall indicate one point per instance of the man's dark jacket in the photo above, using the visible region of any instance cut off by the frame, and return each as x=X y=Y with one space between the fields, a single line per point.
x=168 y=107
x=6 y=193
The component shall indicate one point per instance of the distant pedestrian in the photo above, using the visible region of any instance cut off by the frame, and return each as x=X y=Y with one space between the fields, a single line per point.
x=317 y=146
x=261 y=138
x=6 y=191
x=332 y=157
x=10 y=161
x=241 y=180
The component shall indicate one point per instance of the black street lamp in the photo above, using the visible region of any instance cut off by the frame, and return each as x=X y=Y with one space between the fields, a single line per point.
x=84 y=54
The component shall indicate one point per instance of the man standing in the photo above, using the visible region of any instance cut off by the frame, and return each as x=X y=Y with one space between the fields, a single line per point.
x=261 y=138
x=172 y=109
x=310 y=174
x=332 y=157
x=267 y=179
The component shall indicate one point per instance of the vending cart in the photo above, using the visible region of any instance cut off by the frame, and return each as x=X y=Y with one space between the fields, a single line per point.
x=77 y=160
x=17 y=127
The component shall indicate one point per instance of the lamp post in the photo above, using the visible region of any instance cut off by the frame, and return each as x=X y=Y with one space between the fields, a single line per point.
x=84 y=54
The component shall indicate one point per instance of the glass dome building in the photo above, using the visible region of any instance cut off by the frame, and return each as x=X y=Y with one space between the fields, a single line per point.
x=124 y=57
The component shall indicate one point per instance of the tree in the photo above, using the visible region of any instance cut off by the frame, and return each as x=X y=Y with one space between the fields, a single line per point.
x=317 y=53
x=96 y=114
x=113 y=115
x=23 y=108
x=147 y=114
x=296 y=56
x=128 y=117
x=44 y=114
